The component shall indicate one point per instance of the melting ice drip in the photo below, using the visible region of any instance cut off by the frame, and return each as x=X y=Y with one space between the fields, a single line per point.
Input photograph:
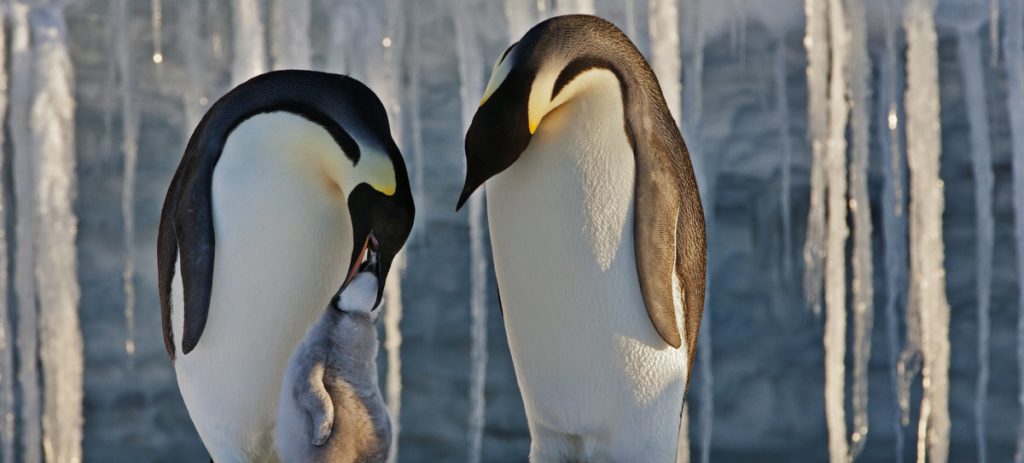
x=816 y=43
x=470 y=89
x=21 y=97
x=249 y=57
x=195 y=95
x=391 y=88
x=289 y=33
x=859 y=67
x=835 y=262
x=130 y=151
x=927 y=283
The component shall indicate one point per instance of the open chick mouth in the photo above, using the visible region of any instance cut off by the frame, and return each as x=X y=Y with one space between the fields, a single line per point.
x=367 y=260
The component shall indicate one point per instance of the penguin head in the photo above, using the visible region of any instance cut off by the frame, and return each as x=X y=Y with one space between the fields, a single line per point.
x=372 y=176
x=532 y=78
x=382 y=211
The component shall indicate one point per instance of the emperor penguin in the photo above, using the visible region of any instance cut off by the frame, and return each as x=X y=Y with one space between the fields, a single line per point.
x=290 y=183
x=598 y=239
x=331 y=409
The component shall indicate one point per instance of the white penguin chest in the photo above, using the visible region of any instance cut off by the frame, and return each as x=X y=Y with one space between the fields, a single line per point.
x=561 y=225
x=283 y=240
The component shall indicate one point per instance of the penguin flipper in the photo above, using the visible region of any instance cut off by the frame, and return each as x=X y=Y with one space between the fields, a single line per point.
x=670 y=241
x=186 y=238
x=311 y=394
x=166 y=258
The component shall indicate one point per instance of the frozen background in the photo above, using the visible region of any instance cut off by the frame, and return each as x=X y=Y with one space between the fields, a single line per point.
x=83 y=371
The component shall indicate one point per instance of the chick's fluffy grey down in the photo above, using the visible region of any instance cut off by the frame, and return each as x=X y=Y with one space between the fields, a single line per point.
x=331 y=408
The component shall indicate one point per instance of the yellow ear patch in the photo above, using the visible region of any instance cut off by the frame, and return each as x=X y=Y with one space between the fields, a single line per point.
x=375 y=169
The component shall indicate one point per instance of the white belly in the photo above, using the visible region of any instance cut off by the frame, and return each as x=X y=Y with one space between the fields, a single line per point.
x=283 y=240
x=597 y=380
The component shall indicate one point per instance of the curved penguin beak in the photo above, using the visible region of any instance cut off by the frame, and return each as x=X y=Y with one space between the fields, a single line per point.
x=467 y=191
x=498 y=135
x=366 y=260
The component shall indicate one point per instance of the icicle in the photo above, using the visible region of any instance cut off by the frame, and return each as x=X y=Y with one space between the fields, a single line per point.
x=157 y=22
x=390 y=87
x=993 y=9
x=574 y=7
x=195 y=97
x=130 y=150
x=816 y=43
x=52 y=127
x=290 y=45
x=250 y=55
x=835 y=262
x=972 y=72
x=470 y=88
x=542 y=9
x=7 y=373
x=22 y=86
x=782 y=106
x=862 y=286
x=928 y=285
x=339 y=41
x=416 y=123
x=393 y=349
x=630 y=7
x=894 y=225
x=520 y=17
x=663 y=21
x=1013 y=55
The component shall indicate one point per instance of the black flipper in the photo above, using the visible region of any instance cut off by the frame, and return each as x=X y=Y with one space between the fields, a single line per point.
x=186 y=223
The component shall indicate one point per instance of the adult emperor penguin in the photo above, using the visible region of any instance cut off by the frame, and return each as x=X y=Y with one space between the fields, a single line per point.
x=598 y=240
x=288 y=186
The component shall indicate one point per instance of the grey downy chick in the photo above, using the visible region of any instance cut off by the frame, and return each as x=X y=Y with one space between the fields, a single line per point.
x=331 y=408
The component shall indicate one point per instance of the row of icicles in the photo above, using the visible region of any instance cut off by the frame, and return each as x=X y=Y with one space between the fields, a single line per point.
x=839 y=99
x=40 y=104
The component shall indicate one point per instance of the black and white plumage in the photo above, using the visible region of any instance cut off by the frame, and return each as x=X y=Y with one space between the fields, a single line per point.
x=598 y=239
x=289 y=183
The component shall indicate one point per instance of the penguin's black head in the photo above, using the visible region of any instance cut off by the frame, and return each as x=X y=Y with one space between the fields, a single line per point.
x=381 y=223
x=500 y=130
x=532 y=78
x=380 y=204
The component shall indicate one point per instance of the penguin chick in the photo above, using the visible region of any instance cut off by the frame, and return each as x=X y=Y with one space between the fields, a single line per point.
x=331 y=408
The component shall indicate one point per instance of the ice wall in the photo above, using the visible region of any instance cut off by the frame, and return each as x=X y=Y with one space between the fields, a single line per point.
x=972 y=72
